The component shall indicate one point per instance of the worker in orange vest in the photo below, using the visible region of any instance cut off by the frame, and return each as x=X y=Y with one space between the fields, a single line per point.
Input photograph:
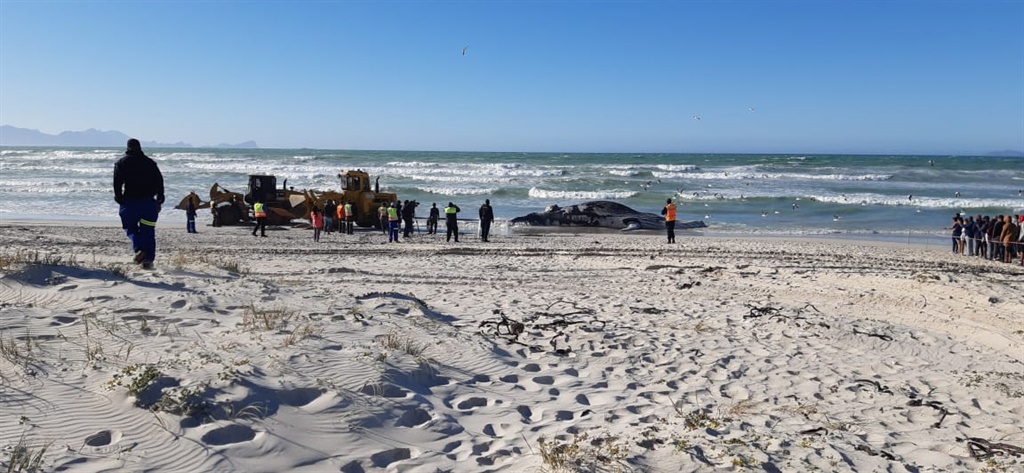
x=340 y=217
x=260 y=213
x=670 y=219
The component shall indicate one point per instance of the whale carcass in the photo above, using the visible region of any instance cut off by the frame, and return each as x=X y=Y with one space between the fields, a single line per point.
x=601 y=213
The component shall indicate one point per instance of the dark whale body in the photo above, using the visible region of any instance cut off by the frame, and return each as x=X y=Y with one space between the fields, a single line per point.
x=600 y=213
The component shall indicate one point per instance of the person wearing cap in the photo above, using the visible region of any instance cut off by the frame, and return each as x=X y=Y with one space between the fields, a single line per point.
x=451 y=214
x=669 y=211
x=139 y=191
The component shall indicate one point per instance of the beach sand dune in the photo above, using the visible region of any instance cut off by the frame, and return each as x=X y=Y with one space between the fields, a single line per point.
x=536 y=352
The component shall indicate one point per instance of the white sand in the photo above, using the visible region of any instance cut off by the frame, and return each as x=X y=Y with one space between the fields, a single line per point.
x=354 y=355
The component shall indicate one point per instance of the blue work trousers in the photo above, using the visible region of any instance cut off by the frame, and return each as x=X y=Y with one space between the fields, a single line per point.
x=393 y=231
x=138 y=218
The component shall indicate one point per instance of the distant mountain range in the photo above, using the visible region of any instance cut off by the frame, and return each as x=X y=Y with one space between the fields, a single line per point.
x=14 y=136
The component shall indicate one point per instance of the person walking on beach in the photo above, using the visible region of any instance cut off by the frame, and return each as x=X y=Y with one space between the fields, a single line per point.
x=435 y=214
x=451 y=214
x=316 y=218
x=190 y=213
x=486 y=218
x=260 y=212
x=669 y=211
x=139 y=191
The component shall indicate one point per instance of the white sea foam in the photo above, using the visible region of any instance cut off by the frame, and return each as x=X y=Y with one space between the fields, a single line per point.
x=477 y=179
x=771 y=176
x=677 y=167
x=584 y=195
x=456 y=190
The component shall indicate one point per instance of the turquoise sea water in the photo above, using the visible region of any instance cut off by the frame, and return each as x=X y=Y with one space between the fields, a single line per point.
x=751 y=193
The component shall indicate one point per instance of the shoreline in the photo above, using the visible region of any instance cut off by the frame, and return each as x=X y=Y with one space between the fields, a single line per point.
x=910 y=238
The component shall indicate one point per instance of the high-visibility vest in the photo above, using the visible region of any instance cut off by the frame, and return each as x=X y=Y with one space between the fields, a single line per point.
x=392 y=213
x=450 y=210
x=349 y=213
x=382 y=211
x=670 y=213
x=339 y=212
x=257 y=209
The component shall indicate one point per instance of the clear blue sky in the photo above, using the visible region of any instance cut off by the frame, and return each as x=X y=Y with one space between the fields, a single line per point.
x=935 y=77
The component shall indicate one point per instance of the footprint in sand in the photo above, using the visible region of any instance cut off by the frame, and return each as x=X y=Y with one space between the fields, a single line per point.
x=471 y=403
x=178 y=304
x=103 y=438
x=544 y=380
x=63 y=320
x=383 y=390
x=413 y=417
x=387 y=457
x=299 y=397
x=526 y=412
x=98 y=299
x=229 y=434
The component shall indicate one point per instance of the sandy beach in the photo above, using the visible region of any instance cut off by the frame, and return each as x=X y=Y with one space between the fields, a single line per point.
x=535 y=352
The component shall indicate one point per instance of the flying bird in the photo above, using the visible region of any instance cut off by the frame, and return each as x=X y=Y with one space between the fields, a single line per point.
x=695 y=117
x=464 y=50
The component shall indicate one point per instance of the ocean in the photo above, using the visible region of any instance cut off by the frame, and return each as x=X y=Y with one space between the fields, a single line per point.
x=885 y=196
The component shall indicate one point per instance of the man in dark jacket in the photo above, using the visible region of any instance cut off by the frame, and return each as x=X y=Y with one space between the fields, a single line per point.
x=409 y=215
x=139 y=189
x=486 y=218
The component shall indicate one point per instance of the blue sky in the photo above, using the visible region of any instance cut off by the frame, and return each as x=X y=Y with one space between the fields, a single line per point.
x=934 y=77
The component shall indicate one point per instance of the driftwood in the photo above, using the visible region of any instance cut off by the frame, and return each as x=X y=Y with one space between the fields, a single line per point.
x=761 y=311
x=878 y=386
x=876 y=335
x=512 y=329
x=937 y=405
x=981 y=449
x=648 y=310
x=879 y=453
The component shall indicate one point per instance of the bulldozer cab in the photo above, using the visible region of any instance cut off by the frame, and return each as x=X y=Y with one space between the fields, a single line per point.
x=261 y=188
x=355 y=181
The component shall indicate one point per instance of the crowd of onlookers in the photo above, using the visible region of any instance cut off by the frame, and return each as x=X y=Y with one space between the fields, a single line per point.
x=996 y=238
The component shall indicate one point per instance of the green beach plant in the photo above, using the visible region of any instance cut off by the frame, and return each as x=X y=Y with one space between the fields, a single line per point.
x=24 y=458
x=584 y=453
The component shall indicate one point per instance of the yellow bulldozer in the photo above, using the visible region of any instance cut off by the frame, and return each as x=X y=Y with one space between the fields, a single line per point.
x=286 y=204
x=232 y=208
x=355 y=189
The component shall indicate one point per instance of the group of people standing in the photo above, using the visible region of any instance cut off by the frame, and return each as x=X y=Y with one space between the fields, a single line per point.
x=397 y=219
x=997 y=238
x=339 y=217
